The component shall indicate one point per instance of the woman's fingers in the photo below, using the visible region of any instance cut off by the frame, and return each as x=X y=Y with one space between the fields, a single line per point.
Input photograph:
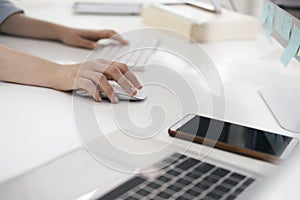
x=124 y=70
x=95 y=35
x=128 y=74
x=115 y=73
x=111 y=71
x=119 y=38
x=112 y=35
x=87 y=43
x=108 y=90
x=90 y=86
x=102 y=83
x=99 y=71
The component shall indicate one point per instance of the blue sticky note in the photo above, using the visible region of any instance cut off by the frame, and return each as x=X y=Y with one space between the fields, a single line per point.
x=292 y=48
x=270 y=20
x=286 y=27
x=264 y=14
x=279 y=21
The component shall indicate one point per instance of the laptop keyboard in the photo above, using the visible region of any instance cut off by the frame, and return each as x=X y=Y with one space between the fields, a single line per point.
x=183 y=178
x=136 y=54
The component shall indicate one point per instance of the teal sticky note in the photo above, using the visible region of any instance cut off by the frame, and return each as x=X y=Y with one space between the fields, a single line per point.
x=286 y=27
x=292 y=48
x=279 y=21
x=264 y=14
x=269 y=25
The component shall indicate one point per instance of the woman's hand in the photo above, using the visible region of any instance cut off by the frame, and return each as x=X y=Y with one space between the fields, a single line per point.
x=94 y=75
x=22 y=25
x=87 y=38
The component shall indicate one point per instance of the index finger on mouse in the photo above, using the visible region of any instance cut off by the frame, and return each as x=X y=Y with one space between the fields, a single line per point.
x=128 y=74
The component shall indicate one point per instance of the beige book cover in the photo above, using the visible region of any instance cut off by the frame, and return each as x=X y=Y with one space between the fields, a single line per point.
x=200 y=24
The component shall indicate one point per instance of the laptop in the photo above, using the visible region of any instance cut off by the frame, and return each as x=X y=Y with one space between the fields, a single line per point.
x=118 y=166
x=107 y=8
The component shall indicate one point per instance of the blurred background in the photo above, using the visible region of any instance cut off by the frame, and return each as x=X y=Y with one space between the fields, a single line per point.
x=252 y=7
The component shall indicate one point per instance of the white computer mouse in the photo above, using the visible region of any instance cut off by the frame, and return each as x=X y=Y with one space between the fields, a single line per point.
x=140 y=95
x=122 y=95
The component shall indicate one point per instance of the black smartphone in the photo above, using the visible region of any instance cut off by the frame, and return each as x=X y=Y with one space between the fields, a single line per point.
x=235 y=138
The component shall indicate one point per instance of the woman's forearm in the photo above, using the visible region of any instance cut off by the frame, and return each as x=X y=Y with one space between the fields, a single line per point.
x=22 y=25
x=92 y=75
x=22 y=68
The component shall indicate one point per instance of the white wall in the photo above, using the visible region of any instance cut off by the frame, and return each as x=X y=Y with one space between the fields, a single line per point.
x=252 y=7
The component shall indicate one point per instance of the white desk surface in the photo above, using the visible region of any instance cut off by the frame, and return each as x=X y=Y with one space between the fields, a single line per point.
x=37 y=124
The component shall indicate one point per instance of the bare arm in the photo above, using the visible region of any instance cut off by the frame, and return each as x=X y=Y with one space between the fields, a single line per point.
x=22 y=25
x=93 y=75
x=30 y=70
x=21 y=68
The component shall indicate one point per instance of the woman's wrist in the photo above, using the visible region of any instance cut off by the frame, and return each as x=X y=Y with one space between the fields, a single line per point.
x=59 y=31
x=64 y=77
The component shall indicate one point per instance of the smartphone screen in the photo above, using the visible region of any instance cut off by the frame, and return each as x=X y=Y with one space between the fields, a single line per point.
x=236 y=135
